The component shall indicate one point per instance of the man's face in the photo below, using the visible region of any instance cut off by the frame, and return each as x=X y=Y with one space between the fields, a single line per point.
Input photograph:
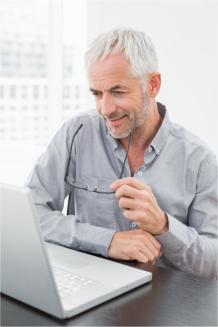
x=119 y=96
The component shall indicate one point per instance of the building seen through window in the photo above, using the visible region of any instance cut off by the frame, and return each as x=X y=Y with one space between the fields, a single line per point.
x=24 y=58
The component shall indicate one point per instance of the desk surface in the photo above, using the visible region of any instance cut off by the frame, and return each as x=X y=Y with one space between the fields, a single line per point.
x=173 y=298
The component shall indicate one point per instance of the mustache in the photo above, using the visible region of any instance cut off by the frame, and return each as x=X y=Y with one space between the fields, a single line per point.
x=117 y=115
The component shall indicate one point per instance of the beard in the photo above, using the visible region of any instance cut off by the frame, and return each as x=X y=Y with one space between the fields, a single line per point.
x=136 y=119
x=126 y=132
x=122 y=135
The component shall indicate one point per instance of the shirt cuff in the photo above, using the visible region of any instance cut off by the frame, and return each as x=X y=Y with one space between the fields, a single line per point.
x=97 y=240
x=174 y=239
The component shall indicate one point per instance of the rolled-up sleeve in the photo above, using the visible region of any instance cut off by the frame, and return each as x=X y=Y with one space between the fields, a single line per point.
x=194 y=247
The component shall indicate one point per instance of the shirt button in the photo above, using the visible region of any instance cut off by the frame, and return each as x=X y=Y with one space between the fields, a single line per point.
x=143 y=168
x=140 y=173
x=133 y=225
x=150 y=149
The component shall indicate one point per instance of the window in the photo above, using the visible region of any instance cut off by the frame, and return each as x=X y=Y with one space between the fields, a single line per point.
x=42 y=80
x=23 y=70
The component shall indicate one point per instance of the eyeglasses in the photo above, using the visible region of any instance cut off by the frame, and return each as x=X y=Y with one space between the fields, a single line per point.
x=89 y=188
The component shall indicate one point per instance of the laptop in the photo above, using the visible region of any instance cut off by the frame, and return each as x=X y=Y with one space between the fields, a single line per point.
x=52 y=278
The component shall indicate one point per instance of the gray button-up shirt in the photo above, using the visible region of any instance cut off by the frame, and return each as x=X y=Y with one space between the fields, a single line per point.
x=180 y=169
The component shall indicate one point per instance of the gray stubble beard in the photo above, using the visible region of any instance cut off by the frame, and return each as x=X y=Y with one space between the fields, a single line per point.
x=134 y=128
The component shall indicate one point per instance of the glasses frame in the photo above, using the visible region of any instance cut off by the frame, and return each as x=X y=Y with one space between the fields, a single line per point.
x=88 y=187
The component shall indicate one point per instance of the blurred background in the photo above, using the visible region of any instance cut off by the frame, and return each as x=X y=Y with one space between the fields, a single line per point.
x=42 y=77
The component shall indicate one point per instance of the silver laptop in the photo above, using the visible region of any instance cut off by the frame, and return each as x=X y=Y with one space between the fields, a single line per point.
x=52 y=278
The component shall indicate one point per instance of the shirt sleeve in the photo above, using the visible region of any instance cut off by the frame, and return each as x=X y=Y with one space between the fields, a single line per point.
x=48 y=190
x=193 y=247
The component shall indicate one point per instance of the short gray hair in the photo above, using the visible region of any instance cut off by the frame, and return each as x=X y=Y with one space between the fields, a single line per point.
x=136 y=46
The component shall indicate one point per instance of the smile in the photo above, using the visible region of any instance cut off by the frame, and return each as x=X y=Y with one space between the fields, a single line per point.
x=116 y=122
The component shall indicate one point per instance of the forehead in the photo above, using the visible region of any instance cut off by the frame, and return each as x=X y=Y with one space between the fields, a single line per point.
x=114 y=69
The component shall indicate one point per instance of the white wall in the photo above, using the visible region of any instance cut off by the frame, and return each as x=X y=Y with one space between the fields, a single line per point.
x=185 y=35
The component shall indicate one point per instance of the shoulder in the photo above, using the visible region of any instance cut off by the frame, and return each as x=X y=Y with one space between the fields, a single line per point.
x=90 y=119
x=192 y=147
x=88 y=116
x=92 y=126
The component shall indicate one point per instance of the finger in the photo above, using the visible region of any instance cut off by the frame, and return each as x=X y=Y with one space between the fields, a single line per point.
x=136 y=215
x=153 y=240
x=141 y=257
x=127 y=191
x=151 y=248
x=135 y=183
x=128 y=203
x=148 y=254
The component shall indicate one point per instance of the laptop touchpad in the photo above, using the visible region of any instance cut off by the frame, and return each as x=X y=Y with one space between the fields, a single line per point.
x=69 y=263
x=67 y=258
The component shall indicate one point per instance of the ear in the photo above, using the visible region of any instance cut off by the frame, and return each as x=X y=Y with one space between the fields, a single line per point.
x=154 y=84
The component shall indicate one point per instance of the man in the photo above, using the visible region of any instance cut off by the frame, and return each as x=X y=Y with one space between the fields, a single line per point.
x=141 y=187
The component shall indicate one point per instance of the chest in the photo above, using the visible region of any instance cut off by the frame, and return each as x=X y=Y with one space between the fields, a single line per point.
x=98 y=166
x=136 y=160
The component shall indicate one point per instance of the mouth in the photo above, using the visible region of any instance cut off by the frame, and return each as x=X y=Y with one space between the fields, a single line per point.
x=116 y=121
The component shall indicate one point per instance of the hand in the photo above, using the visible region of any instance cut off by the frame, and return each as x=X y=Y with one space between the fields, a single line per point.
x=140 y=205
x=135 y=244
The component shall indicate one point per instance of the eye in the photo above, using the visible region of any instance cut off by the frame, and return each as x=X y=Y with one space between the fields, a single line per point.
x=96 y=94
x=118 y=92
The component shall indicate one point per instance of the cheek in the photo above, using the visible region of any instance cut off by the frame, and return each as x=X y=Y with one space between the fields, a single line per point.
x=139 y=102
x=98 y=105
x=126 y=102
x=136 y=100
x=121 y=102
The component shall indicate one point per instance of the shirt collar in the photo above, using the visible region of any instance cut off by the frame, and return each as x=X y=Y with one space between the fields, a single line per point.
x=161 y=136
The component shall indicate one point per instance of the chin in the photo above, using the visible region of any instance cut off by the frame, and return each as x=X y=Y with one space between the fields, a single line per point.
x=123 y=135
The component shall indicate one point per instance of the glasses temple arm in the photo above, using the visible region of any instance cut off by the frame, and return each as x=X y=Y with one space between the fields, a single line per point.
x=126 y=156
x=71 y=146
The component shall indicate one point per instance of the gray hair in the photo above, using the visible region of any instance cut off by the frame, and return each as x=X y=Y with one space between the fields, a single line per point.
x=136 y=46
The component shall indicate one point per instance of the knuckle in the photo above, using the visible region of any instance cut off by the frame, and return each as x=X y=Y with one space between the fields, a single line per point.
x=132 y=254
x=152 y=257
x=117 y=193
x=121 y=202
x=158 y=246
x=129 y=179
x=145 y=205
x=126 y=213
x=122 y=188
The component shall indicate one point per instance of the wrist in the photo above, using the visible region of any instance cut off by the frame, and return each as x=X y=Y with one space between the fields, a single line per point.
x=165 y=226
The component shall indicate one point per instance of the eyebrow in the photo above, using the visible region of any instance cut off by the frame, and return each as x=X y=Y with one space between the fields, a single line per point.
x=114 y=88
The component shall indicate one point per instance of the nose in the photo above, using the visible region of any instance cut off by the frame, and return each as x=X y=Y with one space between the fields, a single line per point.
x=107 y=105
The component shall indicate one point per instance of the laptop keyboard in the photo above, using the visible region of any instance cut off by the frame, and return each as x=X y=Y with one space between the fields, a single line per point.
x=69 y=283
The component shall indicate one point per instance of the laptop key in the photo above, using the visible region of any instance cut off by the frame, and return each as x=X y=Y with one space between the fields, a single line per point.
x=69 y=283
